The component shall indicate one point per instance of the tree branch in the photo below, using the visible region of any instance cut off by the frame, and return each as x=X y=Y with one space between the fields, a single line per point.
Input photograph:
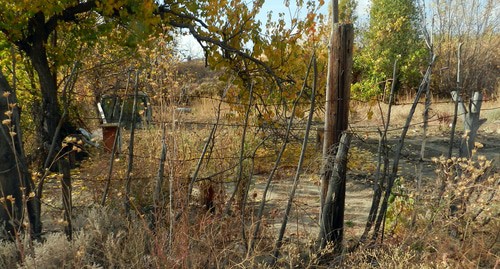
x=189 y=22
x=68 y=14
x=229 y=48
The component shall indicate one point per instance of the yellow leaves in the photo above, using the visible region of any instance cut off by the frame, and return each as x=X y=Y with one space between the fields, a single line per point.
x=369 y=114
x=371 y=104
x=478 y=145
x=361 y=160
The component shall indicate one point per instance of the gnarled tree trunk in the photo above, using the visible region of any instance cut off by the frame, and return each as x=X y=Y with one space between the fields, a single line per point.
x=36 y=51
x=14 y=175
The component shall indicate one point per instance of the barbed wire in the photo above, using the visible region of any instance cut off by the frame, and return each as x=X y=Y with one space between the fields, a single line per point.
x=279 y=124
x=274 y=125
x=186 y=99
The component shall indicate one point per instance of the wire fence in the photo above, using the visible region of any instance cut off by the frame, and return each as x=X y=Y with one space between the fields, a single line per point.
x=279 y=125
x=224 y=171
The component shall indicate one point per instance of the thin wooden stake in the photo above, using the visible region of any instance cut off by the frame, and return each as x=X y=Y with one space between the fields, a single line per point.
x=157 y=197
x=245 y=199
x=380 y=177
x=64 y=167
x=242 y=153
x=276 y=163
x=171 y=187
x=298 y=172
x=205 y=148
x=424 y=141
x=113 y=149
x=456 y=100
x=130 y=165
x=211 y=137
x=397 y=157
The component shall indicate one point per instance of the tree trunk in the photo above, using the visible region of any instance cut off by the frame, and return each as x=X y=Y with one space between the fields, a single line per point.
x=35 y=48
x=10 y=176
x=13 y=168
x=51 y=114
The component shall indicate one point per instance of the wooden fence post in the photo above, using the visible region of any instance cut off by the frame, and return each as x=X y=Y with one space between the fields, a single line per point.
x=66 y=188
x=337 y=97
x=471 y=122
x=332 y=217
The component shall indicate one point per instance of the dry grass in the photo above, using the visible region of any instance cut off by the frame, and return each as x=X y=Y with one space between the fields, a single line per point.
x=440 y=111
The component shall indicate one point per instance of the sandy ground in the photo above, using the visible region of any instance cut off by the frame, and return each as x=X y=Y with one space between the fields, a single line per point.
x=303 y=220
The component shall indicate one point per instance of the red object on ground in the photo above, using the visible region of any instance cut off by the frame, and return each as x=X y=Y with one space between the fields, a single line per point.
x=109 y=132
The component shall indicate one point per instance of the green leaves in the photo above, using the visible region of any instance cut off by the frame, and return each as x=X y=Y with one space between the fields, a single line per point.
x=347 y=10
x=392 y=34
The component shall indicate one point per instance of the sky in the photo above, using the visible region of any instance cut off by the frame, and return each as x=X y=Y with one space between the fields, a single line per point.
x=189 y=47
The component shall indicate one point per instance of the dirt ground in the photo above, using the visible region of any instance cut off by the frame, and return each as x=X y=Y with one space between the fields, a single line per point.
x=303 y=221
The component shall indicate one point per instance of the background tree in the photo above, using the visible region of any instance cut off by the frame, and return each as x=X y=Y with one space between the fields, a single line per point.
x=347 y=9
x=393 y=33
x=475 y=24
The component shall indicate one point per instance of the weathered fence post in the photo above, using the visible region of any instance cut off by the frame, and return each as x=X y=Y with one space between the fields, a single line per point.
x=332 y=193
x=471 y=125
x=66 y=188
x=337 y=97
x=471 y=121
x=332 y=216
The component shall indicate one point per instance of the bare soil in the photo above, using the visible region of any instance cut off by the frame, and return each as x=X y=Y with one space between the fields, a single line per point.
x=303 y=221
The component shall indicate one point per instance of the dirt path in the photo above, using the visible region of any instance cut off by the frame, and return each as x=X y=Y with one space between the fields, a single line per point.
x=303 y=220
